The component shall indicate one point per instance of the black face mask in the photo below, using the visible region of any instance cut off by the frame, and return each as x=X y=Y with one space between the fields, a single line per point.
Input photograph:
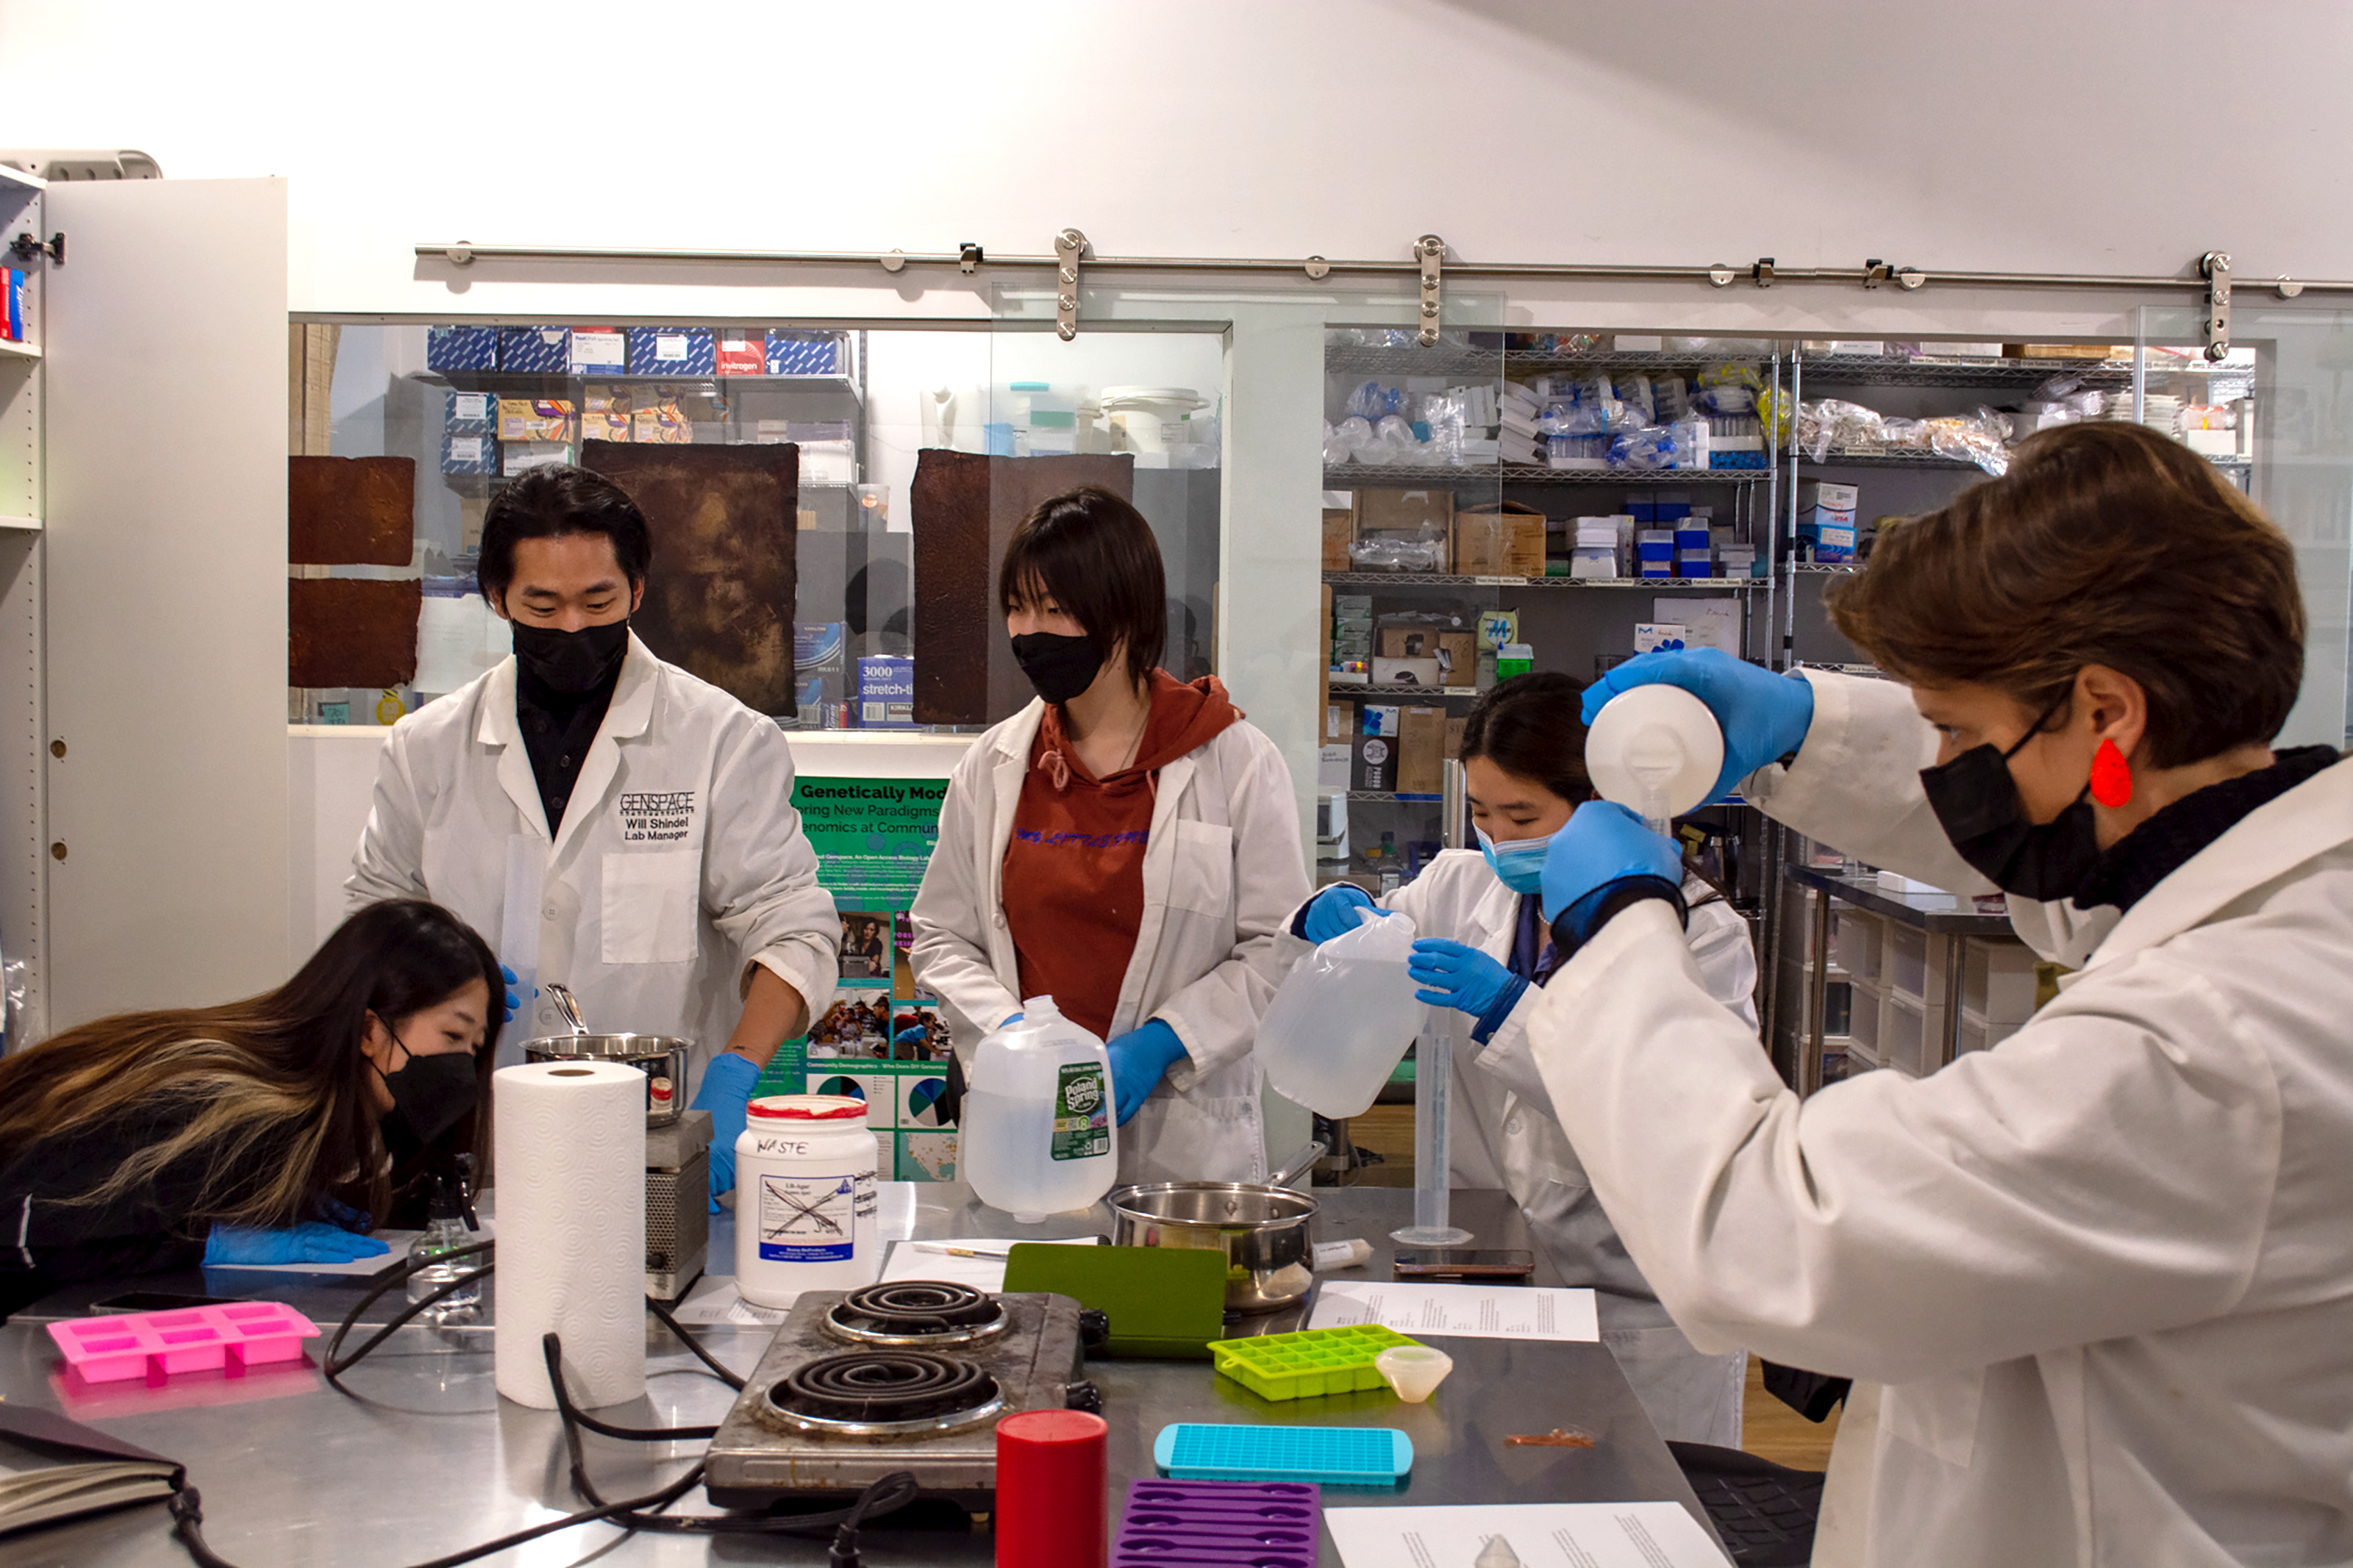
x=1059 y=667
x=1975 y=802
x=432 y=1094
x=573 y=662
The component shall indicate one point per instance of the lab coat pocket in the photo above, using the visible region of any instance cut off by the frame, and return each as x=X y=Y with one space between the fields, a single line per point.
x=1938 y=1414
x=1201 y=871
x=650 y=907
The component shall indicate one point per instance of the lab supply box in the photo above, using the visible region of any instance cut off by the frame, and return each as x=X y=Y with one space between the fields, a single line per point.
x=469 y=454
x=1504 y=539
x=672 y=351
x=740 y=353
x=599 y=351
x=886 y=692
x=805 y=353
x=539 y=351
x=450 y=348
x=469 y=414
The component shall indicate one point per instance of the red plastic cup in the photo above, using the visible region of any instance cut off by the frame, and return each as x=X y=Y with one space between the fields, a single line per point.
x=1051 y=1500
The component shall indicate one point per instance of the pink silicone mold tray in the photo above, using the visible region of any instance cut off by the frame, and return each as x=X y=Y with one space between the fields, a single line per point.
x=194 y=1339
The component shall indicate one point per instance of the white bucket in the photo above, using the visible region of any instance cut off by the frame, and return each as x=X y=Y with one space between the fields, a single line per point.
x=1152 y=418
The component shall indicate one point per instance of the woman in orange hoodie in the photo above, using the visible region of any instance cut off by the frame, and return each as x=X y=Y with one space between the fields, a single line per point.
x=1126 y=843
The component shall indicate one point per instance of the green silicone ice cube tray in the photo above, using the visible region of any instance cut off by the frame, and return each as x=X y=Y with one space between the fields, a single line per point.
x=1312 y=1362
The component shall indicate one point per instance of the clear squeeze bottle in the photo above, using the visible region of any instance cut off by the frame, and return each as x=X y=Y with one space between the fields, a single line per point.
x=450 y=1225
x=1038 y=1136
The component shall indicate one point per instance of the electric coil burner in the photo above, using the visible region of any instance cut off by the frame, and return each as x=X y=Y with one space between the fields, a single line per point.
x=925 y=1312
x=880 y=1393
x=909 y=1375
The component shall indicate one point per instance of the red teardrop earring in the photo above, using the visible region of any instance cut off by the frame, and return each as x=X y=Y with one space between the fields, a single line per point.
x=2112 y=780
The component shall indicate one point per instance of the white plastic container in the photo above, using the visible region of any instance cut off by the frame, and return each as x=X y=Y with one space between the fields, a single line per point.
x=1151 y=418
x=1038 y=1136
x=804 y=1198
x=1655 y=750
x=1343 y=1019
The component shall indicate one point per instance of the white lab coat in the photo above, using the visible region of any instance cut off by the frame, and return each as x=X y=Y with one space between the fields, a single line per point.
x=680 y=862
x=2103 y=1273
x=1221 y=871
x=1502 y=1133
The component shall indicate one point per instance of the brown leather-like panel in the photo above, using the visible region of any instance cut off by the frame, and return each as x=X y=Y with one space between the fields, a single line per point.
x=964 y=507
x=350 y=512
x=349 y=631
x=725 y=575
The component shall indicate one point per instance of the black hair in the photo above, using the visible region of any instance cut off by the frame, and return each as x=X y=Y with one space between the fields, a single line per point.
x=1532 y=726
x=1094 y=554
x=549 y=503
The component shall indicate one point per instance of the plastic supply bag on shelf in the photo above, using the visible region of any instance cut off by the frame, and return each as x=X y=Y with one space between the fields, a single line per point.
x=1981 y=438
x=1634 y=391
x=1396 y=555
x=1728 y=389
x=1834 y=425
x=1670 y=399
x=1652 y=447
x=1373 y=402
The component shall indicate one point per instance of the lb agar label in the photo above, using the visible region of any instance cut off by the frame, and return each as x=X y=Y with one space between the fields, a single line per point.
x=1081 y=1112
x=810 y=1219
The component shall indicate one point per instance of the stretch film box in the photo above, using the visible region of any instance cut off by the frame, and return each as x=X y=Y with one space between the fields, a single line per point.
x=886 y=692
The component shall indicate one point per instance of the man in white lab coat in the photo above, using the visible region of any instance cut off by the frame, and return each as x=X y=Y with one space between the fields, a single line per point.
x=648 y=814
x=2097 y=1282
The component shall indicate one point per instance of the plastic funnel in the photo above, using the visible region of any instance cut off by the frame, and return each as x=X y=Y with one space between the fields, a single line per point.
x=1414 y=1370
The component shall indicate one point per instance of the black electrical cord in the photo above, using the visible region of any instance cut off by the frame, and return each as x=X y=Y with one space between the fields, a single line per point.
x=718 y=1369
x=397 y=1275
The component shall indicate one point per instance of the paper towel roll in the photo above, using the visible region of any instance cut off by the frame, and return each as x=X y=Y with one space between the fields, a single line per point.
x=570 y=1167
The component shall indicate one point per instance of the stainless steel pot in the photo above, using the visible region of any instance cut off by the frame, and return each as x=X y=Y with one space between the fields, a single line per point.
x=656 y=1056
x=1261 y=1227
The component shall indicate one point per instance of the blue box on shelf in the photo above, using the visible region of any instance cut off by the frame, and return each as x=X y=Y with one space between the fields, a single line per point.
x=886 y=692
x=805 y=353
x=818 y=644
x=535 y=350
x=461 y=348
x=673 y=351
x=598 y=350
x=1642 y=512
x=469 y=454
x=1688 y=538
x=470 y=414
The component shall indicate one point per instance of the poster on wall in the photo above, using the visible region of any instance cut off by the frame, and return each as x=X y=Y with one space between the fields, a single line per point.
x=883 y=1040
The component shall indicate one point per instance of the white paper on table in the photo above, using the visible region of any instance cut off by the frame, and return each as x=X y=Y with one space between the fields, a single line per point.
x=906 y=1262
x=1540 y=1534
x=713 y=1301
x=1461 y=1311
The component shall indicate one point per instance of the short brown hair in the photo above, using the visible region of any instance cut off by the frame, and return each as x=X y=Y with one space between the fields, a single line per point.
x=1094 y=554
x=2105 y=544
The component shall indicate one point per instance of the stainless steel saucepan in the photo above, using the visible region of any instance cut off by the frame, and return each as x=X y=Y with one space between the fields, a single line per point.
x=661 y=1058
x=1261 y=1227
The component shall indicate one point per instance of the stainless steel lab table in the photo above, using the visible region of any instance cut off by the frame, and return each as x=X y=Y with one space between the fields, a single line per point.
x=428 y=1460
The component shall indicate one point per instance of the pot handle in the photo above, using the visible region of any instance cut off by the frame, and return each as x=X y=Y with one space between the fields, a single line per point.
x=1298 y=1165
x=567 y=1005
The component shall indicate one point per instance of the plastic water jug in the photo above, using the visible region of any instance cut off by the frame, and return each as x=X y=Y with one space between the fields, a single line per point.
x=1655 y=750
x=1343 y=1018
x=1038 y=1136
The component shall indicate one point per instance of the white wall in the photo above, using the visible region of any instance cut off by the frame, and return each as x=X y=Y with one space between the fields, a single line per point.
x=2008 y=134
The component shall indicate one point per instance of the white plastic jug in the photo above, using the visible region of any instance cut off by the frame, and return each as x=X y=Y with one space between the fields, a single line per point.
x=1038 y=1132
x=1343 y=1018
x=1655 y=750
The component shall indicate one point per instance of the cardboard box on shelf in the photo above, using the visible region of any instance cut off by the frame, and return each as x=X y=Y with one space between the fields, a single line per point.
x=1339 y=533
x=741 y=354
x=1421 y=751
x=1457 y=652
x=1407 y=672
x=1504 y=539
x=605 y=425
x=1332 y=765
x=671 y=351
x=662 y=421
x=599 y=351
x=1405 y=511
x=537 y=350
x=2067 y=351
x=536 y=418
x=1454 y=738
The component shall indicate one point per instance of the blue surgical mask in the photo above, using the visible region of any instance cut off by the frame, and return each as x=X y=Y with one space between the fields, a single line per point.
x=1517 y=863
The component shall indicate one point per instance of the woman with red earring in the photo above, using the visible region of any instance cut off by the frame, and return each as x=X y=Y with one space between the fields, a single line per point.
x=2094 y=1285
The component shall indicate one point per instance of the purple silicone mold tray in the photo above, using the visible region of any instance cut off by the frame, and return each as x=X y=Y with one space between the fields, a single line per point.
x=1219 y=1524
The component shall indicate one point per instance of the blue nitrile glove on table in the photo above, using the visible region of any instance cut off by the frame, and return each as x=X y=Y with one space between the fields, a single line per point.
x=726 y=1091
x=1764 y=716
x=1453 y=976
x=343 y=1215
x=229 y=1245
x=1139 y=1060
x=1333 y=913
x=1603 y=859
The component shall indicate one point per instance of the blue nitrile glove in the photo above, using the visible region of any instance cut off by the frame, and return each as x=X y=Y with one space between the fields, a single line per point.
x=1764 y=716
x=1139 y=1060
x=514 y=1001
x=1333 y=911
x=726 y=1091
x=1605 y=848
x=229 y=1245
x=1463 y=978
x=1010 y=1019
